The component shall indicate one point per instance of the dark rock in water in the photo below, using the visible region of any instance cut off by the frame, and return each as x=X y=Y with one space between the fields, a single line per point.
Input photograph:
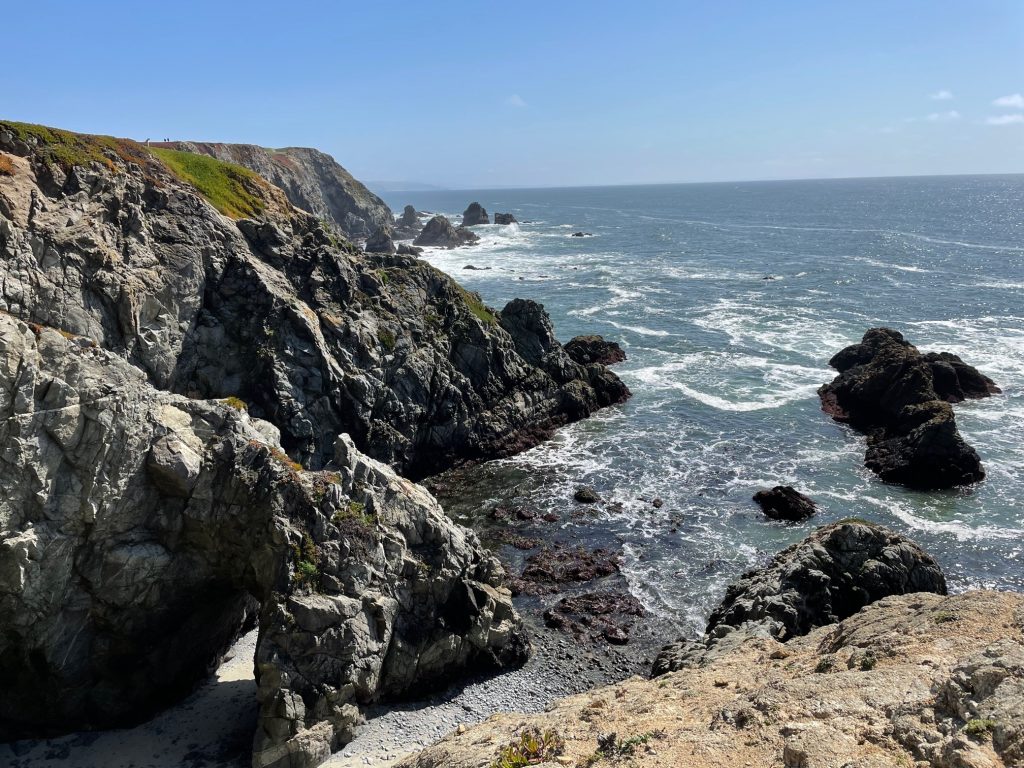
x=505 y=218
x=478 y=269
x=607 y=615
x=586 y=495
x=594 y=349
x=784 y=502
x=408 y=224
x=475 y=214
x=380 y=242
x=439 y=232
x=404 y=249
x=827 y=577
x=553 y=566
x=657 y=503
x=901 y=399
x=768 y=277
x=581 y=234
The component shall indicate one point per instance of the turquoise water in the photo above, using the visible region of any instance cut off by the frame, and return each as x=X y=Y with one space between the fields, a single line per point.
x=724 y=364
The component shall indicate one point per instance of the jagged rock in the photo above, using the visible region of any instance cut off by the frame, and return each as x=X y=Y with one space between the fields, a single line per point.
x=911 y=680
x=474 y=214
x=783 y=502
x=553 y=566
x=594 y=349
x=586 y=495
x=312 y=180
x=316 y=337
x=140 y=527
x=380 y=242
x=830 y=575
x=408 y=224
x=146 y=511
x=505 y=218
x=440 y=233
x=404 y=249
x=900 y=399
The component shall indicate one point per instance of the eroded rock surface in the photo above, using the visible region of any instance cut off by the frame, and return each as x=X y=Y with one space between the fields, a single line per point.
x=475 y=214
x=783 y=502
x=505 y=218
x=917 y=679
x=901 y=399
x=440 y=233
x=594 y=349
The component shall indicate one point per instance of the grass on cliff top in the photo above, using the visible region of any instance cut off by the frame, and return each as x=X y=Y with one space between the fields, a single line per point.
x=67 y=149
x=228 y=187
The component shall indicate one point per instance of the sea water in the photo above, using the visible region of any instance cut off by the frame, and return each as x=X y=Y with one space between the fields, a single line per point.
x=724 y=362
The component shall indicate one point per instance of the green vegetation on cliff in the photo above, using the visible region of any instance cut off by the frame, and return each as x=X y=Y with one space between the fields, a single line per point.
x=228 y=187
x=67 y=149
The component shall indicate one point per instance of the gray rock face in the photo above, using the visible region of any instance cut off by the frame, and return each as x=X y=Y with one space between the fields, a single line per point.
x=312 y=180
x=146 y=512
x=505 y=218
x=380 y=242
x=408 y=224
x=316 y=337
x=475 y=214
x=138 y=528
x=440 y=233
x=825 y=578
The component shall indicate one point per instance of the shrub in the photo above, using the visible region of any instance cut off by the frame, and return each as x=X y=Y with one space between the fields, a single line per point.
x=532 y=747
x=477 y=307
x=979 y=728
x=236 y=402
x=387 y=339
x=231 y=189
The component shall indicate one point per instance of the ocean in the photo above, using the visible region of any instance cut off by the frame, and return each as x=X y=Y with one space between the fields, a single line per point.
x=724 y=363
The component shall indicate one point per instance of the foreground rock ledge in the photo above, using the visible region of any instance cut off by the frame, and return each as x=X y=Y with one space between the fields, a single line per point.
x=139 y=528
x=900 y=398
x=912 y=680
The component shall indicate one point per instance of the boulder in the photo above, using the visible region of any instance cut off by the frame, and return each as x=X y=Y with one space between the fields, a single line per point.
x=380 y=242
x=783 y=502
x=440 y=233
x=404 y=249
x=586 y=495
x=505 y=218
x=408 y=224
x=901 y=399
x=594 y=349
x=474 y=214
x=581 y=234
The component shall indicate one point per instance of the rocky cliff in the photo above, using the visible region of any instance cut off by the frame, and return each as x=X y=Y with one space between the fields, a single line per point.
x=312 y=181
x=183 y=355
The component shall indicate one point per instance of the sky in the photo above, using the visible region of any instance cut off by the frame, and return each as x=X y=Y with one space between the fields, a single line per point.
x=556 y=93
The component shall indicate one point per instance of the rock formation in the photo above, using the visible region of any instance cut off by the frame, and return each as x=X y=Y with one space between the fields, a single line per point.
x=586 y=350
x=783 y=502
x=440 y=233
x=380 y=242
x=475 y=214
x=312 y=181
x=407 y=226
x=901 y=399
x=315 y=336
x=177 y=375
x=912 y=680
x=505 y=218
x=139 y=528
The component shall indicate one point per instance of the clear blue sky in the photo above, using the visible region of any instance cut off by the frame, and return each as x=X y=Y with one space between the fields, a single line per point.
x=542 y=93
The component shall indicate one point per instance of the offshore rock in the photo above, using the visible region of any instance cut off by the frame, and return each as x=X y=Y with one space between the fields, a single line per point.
x=594 y=349
x=312 y=181
x=505 y=218
x=901 y=399
x=380 y=242
x=315 y=336
x=139 y=528
x=475 y=214
x=407 y=226
x=783 y=502
x=440 y=233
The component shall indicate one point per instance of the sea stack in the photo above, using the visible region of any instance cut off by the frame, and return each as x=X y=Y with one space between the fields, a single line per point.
x=474 y=214
x=901 y=399
x=505 y=218
x=440 y=233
